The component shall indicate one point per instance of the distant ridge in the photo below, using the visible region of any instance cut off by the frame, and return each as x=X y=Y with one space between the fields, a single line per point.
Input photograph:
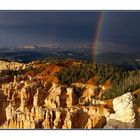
x=27 y=53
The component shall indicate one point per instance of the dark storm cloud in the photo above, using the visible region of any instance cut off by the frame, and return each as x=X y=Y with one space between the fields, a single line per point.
x=30 y=27
x=43 y=18
x=121 y=27
x=39 y=27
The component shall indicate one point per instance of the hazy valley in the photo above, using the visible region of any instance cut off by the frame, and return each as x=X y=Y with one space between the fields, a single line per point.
x=128 y=60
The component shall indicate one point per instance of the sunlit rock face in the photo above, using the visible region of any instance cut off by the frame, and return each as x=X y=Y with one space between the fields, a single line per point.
x=57 y=118
x=125 y=115
x=30 y=102
x=60 y=97
x=56 y=107
x=76 y=118
x=11 y=65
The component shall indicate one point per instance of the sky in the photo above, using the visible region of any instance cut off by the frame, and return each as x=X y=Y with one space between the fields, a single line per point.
x=118 y=29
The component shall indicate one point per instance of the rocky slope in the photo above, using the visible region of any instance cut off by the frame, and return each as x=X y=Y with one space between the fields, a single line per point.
x=4 y=65
x=31 y=101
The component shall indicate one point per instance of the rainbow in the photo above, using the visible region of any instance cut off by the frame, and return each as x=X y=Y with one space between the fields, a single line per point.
x=96 y=39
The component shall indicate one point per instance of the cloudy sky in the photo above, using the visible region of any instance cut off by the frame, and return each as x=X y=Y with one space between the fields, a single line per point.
x=40 y=27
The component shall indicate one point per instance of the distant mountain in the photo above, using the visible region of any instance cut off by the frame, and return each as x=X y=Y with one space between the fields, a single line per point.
x=27 y=47
x=134 y=54
x=130 y=61
x=124 y=60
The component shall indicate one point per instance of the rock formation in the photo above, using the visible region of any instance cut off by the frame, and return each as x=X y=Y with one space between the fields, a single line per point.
x=30 y=102
x=56 y=107
x=4 y=65
x=125 y=115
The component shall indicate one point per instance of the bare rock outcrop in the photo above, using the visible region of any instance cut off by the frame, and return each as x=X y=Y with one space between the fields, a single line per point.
x=125 y=115
x=75 y=117
x=55 y=107
x=4 y=65
x=29 y=102
x=32 y=104
x=35 y=105
x=60 y=97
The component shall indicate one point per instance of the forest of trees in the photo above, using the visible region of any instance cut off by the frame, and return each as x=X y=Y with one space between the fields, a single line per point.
x=122 y=81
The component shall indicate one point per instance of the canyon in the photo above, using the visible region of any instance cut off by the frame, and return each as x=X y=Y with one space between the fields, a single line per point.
x=40 y=101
